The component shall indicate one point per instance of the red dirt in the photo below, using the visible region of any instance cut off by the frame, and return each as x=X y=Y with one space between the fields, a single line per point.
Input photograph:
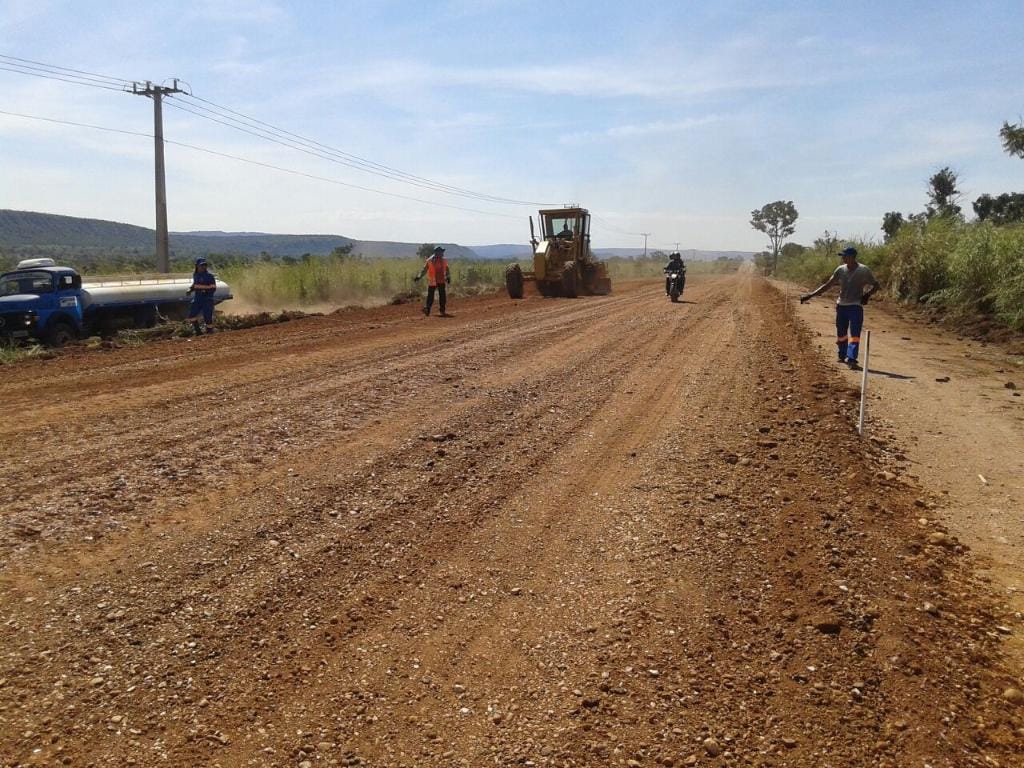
x=609 y=531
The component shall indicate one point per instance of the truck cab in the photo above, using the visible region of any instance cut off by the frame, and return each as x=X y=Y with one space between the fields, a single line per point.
x=41 y=300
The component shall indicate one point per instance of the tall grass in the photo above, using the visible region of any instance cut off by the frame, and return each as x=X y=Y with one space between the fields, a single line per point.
x=319 y=281
x=330 y=281
x=973 y=270
x=11 y=353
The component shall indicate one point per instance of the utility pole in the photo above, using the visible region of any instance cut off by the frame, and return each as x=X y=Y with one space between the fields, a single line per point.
x=645 y=236
x=677 y=247
x=157 y=93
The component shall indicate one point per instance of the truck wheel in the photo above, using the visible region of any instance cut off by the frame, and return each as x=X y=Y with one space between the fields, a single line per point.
x=59 y=334
x=514 y=281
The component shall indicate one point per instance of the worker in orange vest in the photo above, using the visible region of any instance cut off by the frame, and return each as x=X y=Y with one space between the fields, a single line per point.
x=438 y=276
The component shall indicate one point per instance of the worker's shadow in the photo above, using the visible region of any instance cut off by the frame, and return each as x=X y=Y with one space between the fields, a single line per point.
x=685 y=301
x=890 y=375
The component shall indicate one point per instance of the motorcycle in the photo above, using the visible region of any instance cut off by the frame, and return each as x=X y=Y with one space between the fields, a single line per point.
x=676 y=282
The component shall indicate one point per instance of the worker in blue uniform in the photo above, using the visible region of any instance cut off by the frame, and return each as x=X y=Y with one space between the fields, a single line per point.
x=204 y=285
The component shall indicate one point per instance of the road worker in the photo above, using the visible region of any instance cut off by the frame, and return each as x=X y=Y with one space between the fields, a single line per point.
x=852 y=279
x=438 y=277
x=204 y=285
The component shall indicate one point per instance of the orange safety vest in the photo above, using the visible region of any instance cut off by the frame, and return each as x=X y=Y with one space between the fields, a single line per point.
x=437 y=271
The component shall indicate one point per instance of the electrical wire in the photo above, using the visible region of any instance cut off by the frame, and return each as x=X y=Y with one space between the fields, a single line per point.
x=258 y=163
x=87 y=75
x=54 y=76
x=606 y=225
x=260 y=133
x=255 y=127
x=362 y=162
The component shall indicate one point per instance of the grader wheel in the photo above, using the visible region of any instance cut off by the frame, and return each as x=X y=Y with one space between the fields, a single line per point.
x=570 y=284
x=514 y=281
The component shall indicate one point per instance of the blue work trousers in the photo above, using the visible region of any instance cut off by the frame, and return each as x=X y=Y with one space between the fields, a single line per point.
x=849 y=321
x=202 y=304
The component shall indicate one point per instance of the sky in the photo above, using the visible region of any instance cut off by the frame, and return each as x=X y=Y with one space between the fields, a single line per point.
x=671 y=118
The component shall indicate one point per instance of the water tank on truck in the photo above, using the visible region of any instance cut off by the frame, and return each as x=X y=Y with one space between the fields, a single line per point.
x=45 y=301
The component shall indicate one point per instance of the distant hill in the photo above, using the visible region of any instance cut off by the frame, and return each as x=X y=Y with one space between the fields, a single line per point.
x=48 y=233
x=505 y=252
x=25 y=228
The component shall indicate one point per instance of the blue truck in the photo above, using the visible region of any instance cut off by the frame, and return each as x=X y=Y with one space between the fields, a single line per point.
x=41 y=300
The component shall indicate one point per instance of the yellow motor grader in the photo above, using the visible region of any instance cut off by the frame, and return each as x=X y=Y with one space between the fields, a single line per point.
x=563 y=264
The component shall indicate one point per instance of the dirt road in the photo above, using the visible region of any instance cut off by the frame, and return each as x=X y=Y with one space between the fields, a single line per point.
x=609 y=531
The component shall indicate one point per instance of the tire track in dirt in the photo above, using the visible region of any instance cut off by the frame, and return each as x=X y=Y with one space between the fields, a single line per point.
x=177 y=447
x=616 y=545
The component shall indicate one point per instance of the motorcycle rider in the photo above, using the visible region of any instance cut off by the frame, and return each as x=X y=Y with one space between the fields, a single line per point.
x=675 y=264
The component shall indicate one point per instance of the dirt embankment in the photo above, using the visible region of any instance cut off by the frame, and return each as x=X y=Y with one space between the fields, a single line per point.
x=611 y=531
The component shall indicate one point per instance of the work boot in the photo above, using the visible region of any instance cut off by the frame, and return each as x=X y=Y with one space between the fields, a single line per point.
x=426 y=312
x=852 y=364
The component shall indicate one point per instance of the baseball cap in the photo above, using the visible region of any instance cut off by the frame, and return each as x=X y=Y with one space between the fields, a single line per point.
x=201 y=262
x=848 y=251
x=439 y=249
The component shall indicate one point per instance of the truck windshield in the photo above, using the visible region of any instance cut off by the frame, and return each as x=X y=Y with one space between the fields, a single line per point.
x=26 y=282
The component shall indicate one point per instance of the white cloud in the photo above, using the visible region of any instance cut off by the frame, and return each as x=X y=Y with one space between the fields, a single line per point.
x=594 y=79
x=638 y=130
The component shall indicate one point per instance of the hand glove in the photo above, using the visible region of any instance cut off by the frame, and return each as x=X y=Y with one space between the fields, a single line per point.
x=417 y=278
x=448 y=280
x=805 y=298
x=190 y=291
x=865 y=299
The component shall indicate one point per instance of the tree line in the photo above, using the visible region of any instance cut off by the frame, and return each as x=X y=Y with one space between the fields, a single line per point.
x=935 y=256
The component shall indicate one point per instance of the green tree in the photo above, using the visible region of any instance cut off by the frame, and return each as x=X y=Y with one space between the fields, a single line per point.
x=342 y=252
x=1013 y=139
x=425 y=251
x=944 y=195
x=891 y=223
x=1007 y=208
x=778 y=221
x=792 y=250
x=763 y=261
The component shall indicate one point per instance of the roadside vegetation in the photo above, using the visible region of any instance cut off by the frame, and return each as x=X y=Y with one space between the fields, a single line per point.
x=966 y=270
x=13 y=353
x=963 y=271
x=336 y=280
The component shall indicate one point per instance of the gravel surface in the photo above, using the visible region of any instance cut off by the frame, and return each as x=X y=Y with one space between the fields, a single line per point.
x=612 y=531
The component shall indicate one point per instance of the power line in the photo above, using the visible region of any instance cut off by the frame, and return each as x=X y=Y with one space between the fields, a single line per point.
x=258 y=163
x=606 y=225
x=255 y=127
x=362 y=162
x=56 y=76
x=329 y=156
x=91 y=75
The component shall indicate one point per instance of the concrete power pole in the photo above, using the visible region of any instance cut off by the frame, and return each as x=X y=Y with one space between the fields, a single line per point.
x=645 y=236
x=156 y=93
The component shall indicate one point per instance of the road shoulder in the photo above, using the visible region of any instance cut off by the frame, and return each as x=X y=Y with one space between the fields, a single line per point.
x=949 y=413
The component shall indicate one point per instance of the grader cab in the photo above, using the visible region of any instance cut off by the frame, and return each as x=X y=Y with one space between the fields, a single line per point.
x=563 y=264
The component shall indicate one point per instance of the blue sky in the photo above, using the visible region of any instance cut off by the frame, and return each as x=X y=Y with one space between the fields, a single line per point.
x=673 y=118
